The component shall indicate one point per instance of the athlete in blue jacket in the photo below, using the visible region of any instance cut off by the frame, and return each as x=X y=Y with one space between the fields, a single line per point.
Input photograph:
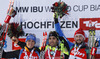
x=78 y=50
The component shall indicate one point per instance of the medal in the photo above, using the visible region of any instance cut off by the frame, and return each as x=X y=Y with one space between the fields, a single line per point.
x=29 y=55
x=76 y=50
x=52 y=53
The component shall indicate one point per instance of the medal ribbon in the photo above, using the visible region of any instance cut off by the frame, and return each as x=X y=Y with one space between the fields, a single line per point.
x=30 y=54
x=53 y=54
x=76 y=50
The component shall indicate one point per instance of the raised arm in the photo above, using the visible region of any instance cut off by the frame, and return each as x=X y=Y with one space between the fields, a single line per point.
x=59 y=31
x=15 y=40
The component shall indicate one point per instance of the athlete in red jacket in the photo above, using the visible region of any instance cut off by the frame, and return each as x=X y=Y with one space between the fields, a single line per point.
x=29 y=52
x=78 y=50
x=54 y=49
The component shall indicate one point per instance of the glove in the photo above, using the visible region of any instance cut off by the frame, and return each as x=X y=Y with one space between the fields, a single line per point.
x=12 y=13
x=42 y=48
x=93 y=51
x=55 y=15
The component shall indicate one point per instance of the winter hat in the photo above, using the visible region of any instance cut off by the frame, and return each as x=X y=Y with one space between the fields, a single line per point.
x=54 y=33
x=31 y=37
x=80 y=32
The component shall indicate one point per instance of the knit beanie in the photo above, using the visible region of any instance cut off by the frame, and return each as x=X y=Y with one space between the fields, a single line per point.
x=80 y=32
x=31 y=37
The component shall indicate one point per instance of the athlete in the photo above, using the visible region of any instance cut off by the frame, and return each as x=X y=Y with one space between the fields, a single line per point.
x=78 y=50
x=29 y=52
x=54 y=49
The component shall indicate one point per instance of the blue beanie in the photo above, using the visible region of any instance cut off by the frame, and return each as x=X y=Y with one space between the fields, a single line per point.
x=31 y=37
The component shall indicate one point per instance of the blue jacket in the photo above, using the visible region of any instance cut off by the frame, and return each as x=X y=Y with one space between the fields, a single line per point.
x=59 y=31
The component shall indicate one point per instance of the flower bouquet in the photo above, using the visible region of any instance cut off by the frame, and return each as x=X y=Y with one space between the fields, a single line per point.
x=15 y=29
x=61 y=8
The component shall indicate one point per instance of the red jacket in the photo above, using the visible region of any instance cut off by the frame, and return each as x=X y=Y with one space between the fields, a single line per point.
x=34 y=55
x=81 y=54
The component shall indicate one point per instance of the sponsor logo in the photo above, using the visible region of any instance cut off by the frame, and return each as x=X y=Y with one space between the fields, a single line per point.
x=32 y=57
x=88 y=23
x=78 y=53
x=15 y=46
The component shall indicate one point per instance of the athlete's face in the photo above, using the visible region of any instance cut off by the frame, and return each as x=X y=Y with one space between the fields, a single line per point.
x=53 y=41
x=79 y=39
x=30 y=43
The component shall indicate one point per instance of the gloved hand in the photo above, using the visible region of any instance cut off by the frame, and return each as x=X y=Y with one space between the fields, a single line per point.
x=55 y=15
x=14 y=39
x=42 y=48
x=93 y=51
x=10 y=12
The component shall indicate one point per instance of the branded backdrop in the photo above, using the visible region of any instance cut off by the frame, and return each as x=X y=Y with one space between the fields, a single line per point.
x=36 y=17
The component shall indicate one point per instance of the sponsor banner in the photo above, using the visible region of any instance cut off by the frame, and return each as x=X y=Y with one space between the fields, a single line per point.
x=87 y=23
x=15 y=46
x=36 y=16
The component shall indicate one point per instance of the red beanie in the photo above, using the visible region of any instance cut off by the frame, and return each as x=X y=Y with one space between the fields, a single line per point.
x=80 y=31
